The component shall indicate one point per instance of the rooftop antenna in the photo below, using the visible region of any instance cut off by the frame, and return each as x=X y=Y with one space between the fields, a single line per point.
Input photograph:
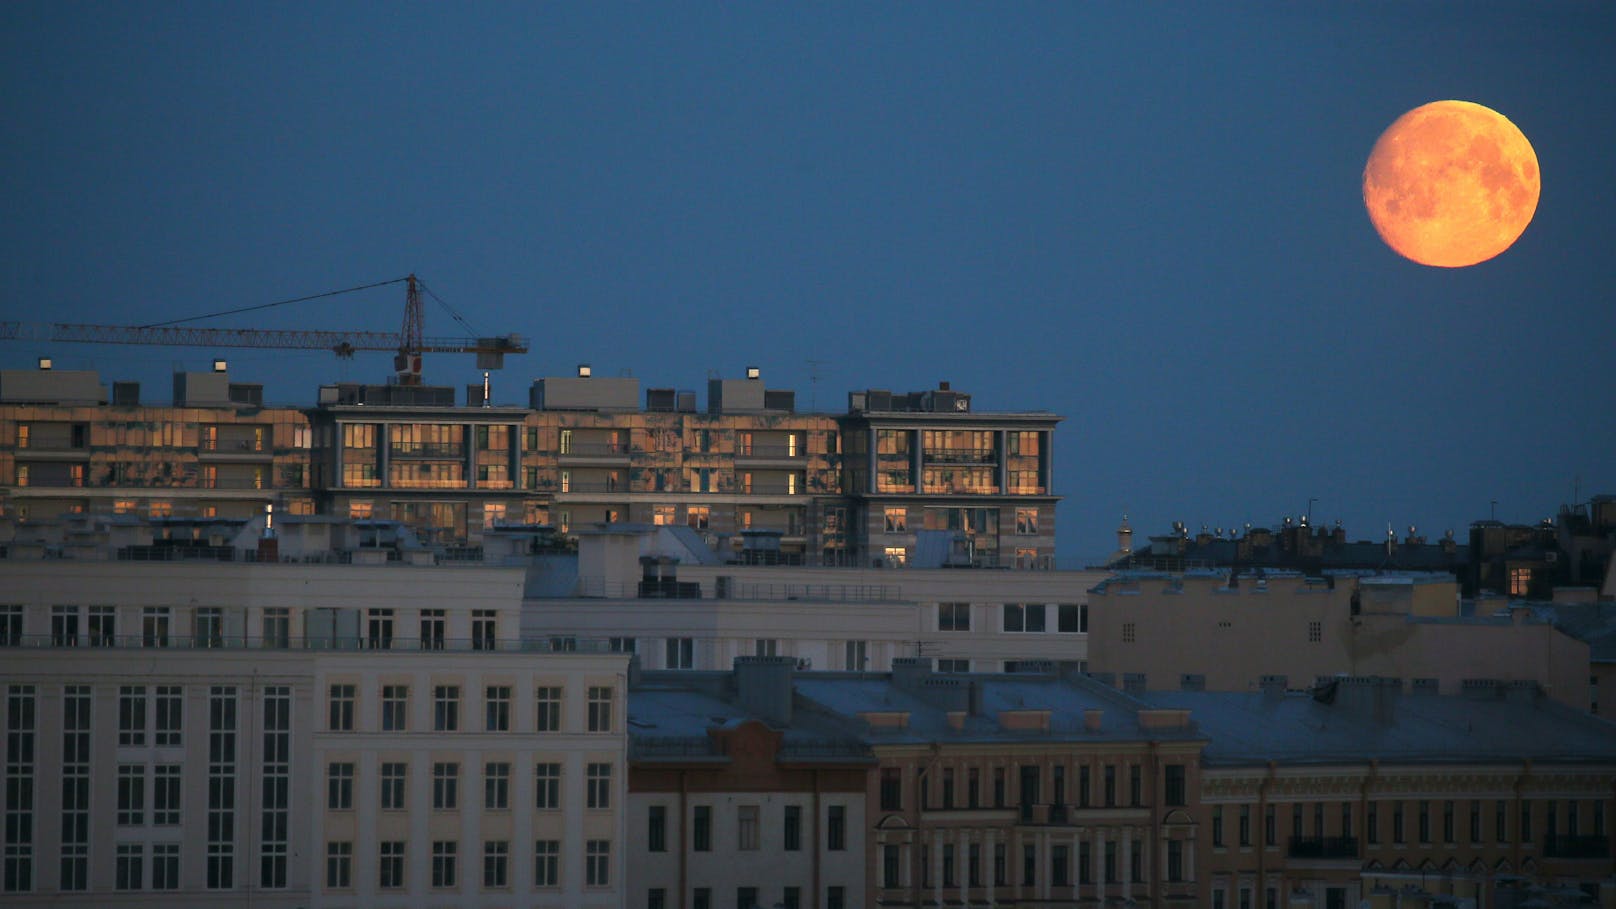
x=813 y=383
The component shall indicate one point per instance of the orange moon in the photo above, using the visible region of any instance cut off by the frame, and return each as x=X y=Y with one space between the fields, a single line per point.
x=1451 y=183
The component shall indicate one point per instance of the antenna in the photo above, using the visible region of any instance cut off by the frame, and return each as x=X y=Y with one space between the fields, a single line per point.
x=813 y=383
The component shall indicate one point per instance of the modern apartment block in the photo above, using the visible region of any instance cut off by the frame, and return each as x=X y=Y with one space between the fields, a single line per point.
x=661 y=593
x=919 y=478
x=298 y=730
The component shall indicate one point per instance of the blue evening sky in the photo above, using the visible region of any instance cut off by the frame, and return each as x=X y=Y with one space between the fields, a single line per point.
x=1143 y=216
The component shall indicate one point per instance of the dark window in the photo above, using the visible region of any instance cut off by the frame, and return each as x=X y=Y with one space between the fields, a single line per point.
x=836 y=829
x=1217 y=825
x=891 y=789
x=793 y=831
x=1110 y=786
x=656 y=834
x=1174 y=784
x=1136 y=787
x=1245 y=825
x=701 y=829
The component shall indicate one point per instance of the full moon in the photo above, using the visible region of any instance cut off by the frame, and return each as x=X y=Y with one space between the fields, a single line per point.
x=1451 y=183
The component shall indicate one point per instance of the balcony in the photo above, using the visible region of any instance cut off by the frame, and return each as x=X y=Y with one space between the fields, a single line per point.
x=1562 y=846
x=961 y=456
x=764 y=452
x=442 y=450
x=588 y=451
x=1323 y=847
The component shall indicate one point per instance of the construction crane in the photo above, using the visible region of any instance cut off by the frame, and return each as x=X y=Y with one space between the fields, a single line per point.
x=407 y=345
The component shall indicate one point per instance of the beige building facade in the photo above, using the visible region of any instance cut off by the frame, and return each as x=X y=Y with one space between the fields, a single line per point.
x=1200 y=629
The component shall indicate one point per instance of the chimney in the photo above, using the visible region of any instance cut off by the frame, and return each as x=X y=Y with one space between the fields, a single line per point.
x=910 y=673
x=764 y=686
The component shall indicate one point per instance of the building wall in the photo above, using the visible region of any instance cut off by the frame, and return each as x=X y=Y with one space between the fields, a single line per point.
x=289 y=687
x=755 y=782
x=1168 y=626
x=1253 y=860
x=926 y=830
x=813 y=614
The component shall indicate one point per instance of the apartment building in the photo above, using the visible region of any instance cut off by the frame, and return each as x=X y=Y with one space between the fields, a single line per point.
x=918 y=478
x=1225 y=630
x=346 y=729
x=661 y=593
x=1364 y=792
x=737 y=798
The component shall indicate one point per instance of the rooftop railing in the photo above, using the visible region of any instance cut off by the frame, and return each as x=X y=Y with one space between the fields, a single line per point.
x=221 y=642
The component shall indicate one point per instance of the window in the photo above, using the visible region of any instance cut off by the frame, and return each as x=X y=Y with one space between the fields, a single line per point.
x=600 y=709
x=445 y=786
x=890 y=867
x=656 y=829
x=1029 y=864
x=701 y=828
x=891 y=789
x=836 y=828
x=766 y=647
x=379 y=628
x=1500 y=822
x=393 y=774
x=1175 y=860
x=746 y=827
x=395 y=708
x=432 y=629
x=131 y=859
x=132 y=715
x=836 y=897
x=897 y=556
x=169 y=705
x=1372 y=823
x=1425 y=821
x=1027 y=617
x=597 y=863
x=1397 y=822
x=340 y=713
x=1526 y=821
x=897 y=520
x=1520 y=581
x=1447 y=822
x=1475 y=821
x=103 y=626
x=496 y=863
x=166 y=794
x=547 y=786
x=1072 y=618
x=1173 y=783
x=953 y=616
x=443 y=863
x=1245 y=825
x=746 y=898
x=1270 y=826
x=549 y=709
x=277 y=626
x=338 y=865
x=1346 y=819
x=599 y=786
x=1135 y=785
x=621 y=645
x=339 y=782
x=1110 y=785
x=1315 y=632
x=1217 y=825
x=484 y=629
x=445 y=708
x=497 y=708
x=791 y=836
x=792 y=898
x=855 y=655
x=64 y=626
x=547 y=863
x=209 y=626
x=154 y=626
x=131 y=794
x=953 y=665
x=680 y=653
x=496 y=786
x=1128 y=634
x=10 y=626
x=1027 y=521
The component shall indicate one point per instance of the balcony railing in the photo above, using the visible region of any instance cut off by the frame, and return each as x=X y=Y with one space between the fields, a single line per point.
x=961 y=455
x=770 y=452
x=595 y=450
x=1576 y=847
x=1324 y=847
x=427 y=450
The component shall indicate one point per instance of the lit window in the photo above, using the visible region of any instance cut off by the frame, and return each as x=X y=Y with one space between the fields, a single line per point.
x=897 y=555
x=897 y=520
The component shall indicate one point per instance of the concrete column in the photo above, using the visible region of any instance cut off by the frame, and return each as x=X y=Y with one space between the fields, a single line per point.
x=1076 y=864
x=916 y=458
x=1046 y=865
x=1161 y=874
x=1125 y=862
x=1099 y=862
x=871 y=459
x=937 y=865
x=1189 y=859
x=1002 y=474
x=988 y=845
